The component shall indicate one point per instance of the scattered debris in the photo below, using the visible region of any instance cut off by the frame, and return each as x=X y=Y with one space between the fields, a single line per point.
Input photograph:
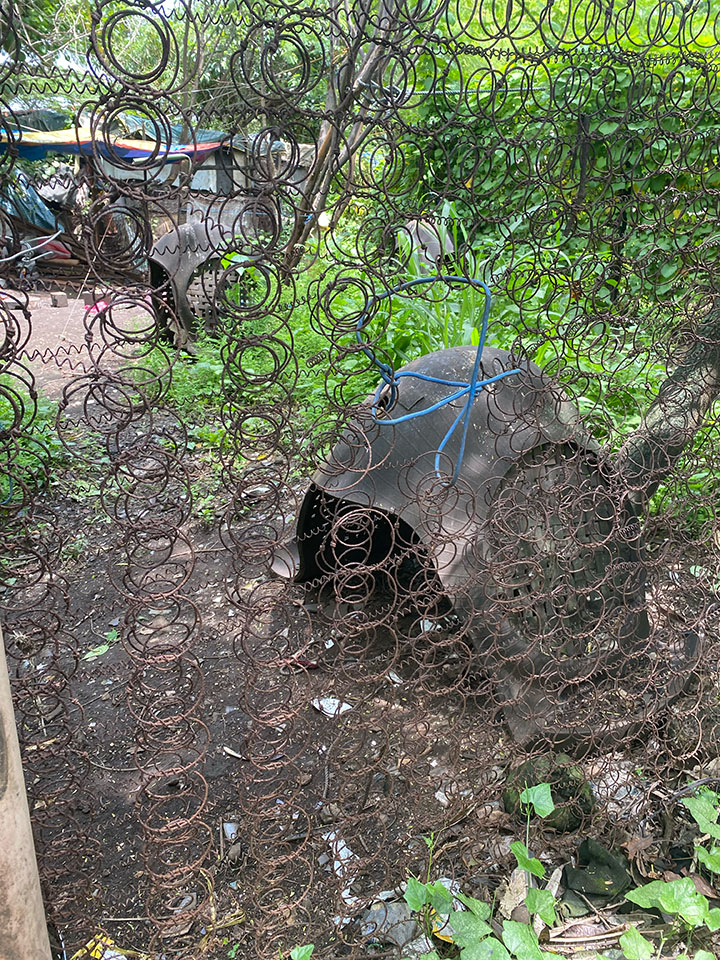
x=390 y=923
x=515 y=893
x=419 y=947
x=235 y=852
x=617 y=787
x=297 y=663
x=330 y=812
x=341 y=852
x=231 y=829
x=103 y=948
x=182 y=904
x=330 y=706
x=600 y=873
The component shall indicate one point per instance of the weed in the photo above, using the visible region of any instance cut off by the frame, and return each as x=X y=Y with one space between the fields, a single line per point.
x=30 y=448
x=705 y=810
x=302 y=953
x=111 y=637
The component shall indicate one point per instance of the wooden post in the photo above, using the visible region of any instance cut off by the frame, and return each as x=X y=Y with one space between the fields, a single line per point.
x=23 y=930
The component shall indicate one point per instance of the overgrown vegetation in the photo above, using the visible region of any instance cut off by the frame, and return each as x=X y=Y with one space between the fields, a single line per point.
x=30 y=448
x=456 y=926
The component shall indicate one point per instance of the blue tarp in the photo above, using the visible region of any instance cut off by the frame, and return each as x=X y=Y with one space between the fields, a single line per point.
x=21 y=199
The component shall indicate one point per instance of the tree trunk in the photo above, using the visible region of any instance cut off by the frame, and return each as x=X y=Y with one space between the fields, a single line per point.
x=649 y=455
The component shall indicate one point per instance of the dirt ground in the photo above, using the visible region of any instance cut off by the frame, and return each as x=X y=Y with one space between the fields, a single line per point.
x=410 y=759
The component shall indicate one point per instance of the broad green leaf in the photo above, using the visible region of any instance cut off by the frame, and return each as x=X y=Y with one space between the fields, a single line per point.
x=710 y=858
x=705 y=813
x=521 y=940
x=432 y=955
x=676 y=897
x=487 y=949
x=97 y=651
x=541 y=902
x=704 y=955
x=635 y=946
x=415 y=895
x=702 y=805
x=540 y=797
x=525 y=861
x=648 y=896
x=302 y=953
x=707 y=826
x=439 y=898
x=712 y=920
x=467 y=928
x=681 y=898
x=478 y=907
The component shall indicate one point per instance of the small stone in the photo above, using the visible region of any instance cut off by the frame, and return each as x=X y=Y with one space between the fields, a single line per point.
x=58 y=299
x=330 y=812
x=390 y=923
x=235 y=852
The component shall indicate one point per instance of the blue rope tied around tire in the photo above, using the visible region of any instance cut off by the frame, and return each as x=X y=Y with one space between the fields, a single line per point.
x=468 y=390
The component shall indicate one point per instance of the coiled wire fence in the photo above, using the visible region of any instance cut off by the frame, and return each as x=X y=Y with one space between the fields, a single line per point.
x=275 y=613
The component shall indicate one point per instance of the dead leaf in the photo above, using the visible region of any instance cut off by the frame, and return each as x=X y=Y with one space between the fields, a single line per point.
x=492 y=817
x=577 y=931
x=515 y=892
x=636 y=845
x=703 y=887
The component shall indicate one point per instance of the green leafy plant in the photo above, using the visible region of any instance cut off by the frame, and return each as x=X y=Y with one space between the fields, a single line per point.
x=705 y=810
x=111 y=637
x=434 y=904
x=302 y=953
x=31 y=448
x=469 y=929
x=537 y=799
x=466 y=924
x=680 y=900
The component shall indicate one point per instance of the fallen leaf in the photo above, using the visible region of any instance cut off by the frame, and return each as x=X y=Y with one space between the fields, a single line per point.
x=636 y=845
x=97 y=651
x=703 y=887
x=515 y=892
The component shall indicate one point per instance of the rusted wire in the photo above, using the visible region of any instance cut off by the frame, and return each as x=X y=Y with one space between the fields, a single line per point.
x=287 y=644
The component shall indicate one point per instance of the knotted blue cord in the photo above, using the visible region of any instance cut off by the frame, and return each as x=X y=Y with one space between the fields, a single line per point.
x=469 y=390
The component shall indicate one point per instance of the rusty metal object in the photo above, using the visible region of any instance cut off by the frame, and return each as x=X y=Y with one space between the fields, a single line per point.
x=174 y=258
x=537 y=548
x=561 y=591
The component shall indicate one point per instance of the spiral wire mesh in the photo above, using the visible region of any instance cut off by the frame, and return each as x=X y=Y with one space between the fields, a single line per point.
x=375 y=630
